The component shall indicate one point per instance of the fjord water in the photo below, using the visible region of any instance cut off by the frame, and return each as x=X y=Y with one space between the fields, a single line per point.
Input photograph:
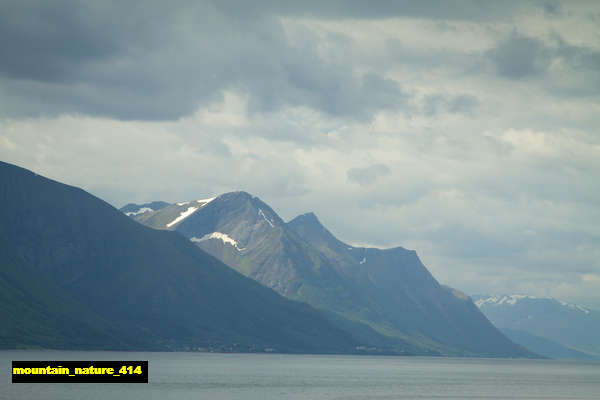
x=276 y=376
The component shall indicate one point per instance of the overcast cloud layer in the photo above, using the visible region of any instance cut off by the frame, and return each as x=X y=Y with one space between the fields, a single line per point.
x=466 y=130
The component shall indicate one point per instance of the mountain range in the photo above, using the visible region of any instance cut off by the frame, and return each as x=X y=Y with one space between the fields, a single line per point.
x=224 y=273
x=75 y=273
x=385 y=296
x=548 y=326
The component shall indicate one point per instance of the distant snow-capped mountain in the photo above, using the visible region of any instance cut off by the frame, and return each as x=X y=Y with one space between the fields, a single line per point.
x=571 y=325
x=515 y=298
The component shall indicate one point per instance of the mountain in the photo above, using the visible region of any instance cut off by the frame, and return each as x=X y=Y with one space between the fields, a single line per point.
x=388 y=291
x=76 y=273
x=136 y=209
x=572 y=326
x=545 y=347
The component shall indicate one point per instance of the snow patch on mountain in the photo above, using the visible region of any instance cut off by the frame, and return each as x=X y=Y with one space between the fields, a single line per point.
x=201 y=203
x=140 y=211
x=183 y=216
x=499 y=300
x=225 y=238
x=515 y=298
x=205 y=201
x=261 y=213
x=577 y=307
x=574 y=306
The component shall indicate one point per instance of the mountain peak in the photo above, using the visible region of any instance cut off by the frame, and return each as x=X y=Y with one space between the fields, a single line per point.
x=308 y=218
x=310 y=229
x=244 y=200
x=238 y=194
x=308 y=222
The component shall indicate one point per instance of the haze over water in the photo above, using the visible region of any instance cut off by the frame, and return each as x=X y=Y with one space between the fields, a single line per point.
x=277 y=376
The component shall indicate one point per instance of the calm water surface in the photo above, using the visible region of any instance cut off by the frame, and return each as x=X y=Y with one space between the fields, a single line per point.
x=274 y=376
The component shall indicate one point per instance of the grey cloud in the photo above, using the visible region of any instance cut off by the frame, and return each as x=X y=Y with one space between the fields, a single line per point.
x=158 y=62
x=153 y=61
x=49 y=41
x=552 y=7
x=468 y=242
x=591 y=60
x=519 y=56
x=94 y=58
x=580 y=79
x=462 y=104
x=367 y=175
x=515 y=57
x=399 y=53
x=301 y=77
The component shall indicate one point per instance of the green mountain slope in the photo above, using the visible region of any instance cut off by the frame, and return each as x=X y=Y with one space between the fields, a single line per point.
x=409 y=299
x=36 y=313
x=153 y=286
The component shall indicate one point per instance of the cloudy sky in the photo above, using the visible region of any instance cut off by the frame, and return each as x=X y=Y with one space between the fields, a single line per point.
x=466 y=130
